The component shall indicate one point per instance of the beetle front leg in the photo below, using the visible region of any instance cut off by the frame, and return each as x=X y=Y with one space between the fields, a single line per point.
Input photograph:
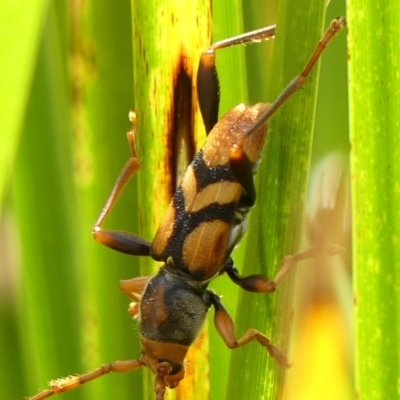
x=122 y=241
x=62 y=385
x=134 y=288
x=224 y=324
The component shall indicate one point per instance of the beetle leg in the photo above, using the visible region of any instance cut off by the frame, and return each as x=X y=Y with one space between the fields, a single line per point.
x=253 y=283
x=240 y=165
x=122 y=241
x=207 y=76
x=134 y=288
x=298 y=82
x=290 y=261
x=62 y=385
x=224 y=324
x=260 y=284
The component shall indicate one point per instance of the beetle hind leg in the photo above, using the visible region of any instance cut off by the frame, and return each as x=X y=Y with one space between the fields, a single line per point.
x=207 y=75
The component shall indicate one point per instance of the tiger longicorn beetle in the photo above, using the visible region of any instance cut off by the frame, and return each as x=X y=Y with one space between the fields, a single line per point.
x=204 y=221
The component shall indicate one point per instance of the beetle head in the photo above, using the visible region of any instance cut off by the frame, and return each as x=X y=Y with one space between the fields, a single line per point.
x=166 y=361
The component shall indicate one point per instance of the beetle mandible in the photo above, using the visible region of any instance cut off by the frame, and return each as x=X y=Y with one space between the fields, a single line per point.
x=204 y=221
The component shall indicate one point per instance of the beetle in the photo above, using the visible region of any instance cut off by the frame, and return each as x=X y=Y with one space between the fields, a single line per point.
x=204 y=221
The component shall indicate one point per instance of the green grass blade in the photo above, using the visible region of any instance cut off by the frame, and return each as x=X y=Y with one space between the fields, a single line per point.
x=102 y=68
x=374 y=54
x=44 y=204
x=70 y=296
x=168 y=38
x=20 y=29
x=281 y=184
x=322 y=328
